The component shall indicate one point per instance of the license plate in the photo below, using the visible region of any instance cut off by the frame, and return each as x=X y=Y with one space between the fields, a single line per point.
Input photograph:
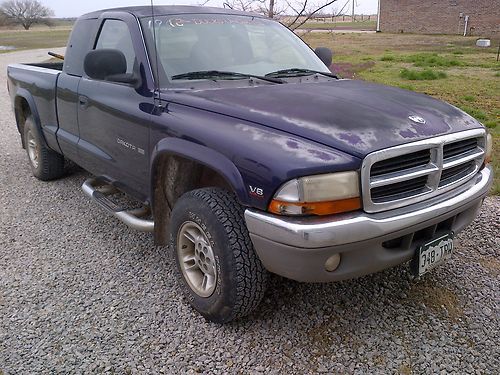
x=434 y=253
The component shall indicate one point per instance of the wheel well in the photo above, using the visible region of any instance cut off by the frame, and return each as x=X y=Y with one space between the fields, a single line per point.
x=173 y=176
x=22 y=111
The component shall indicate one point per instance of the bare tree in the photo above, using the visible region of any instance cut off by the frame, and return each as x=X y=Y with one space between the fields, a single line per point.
x=266 y=7
x=244 y=5
x=4 y=21
x=299 y=11
x=26 y=12
x=307 y=10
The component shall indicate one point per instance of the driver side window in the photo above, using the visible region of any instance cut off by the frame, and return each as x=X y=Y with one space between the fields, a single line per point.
x=116 y=35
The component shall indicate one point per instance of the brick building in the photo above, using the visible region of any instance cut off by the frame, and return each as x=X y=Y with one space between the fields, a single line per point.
x=441 y=17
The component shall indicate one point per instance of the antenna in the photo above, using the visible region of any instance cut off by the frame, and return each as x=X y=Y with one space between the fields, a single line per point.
x=157 y=87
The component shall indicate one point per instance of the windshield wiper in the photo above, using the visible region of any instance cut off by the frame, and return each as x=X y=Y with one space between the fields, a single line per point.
x=297 y=72
x=208 y=74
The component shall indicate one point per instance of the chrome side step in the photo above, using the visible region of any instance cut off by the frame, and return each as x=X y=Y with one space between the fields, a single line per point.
x=99 y=192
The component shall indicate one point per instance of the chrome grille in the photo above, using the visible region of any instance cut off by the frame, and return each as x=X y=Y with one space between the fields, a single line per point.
x=409 y=173
x=415 y=159
x=460 y=147
x=399 y=190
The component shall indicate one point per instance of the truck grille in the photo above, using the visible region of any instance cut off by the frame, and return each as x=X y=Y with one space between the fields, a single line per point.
x=399 y=190
x=402 y=162
x=407 y=174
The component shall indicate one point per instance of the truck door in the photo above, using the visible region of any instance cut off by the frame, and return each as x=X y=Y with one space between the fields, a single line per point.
x=113 y=117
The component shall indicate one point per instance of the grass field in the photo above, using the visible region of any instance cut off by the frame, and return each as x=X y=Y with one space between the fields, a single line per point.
x=448 y=67
x=36 y=37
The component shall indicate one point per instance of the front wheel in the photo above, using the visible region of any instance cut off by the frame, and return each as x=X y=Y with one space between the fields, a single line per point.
x=218 y=270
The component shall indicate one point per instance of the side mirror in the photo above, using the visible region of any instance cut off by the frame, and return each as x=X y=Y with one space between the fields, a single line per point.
x=109 y=65
x=102 y=63
x=325 y=55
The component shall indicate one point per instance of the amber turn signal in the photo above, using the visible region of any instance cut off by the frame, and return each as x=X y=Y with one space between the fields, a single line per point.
x=314 y=208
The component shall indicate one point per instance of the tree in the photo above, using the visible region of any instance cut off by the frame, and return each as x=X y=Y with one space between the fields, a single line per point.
x=301 y=11
x=26 y=12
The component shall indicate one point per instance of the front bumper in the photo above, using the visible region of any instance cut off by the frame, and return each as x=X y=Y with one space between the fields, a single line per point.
x=297 y=248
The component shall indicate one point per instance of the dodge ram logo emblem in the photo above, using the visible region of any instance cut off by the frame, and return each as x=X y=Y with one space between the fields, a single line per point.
x=417 y=119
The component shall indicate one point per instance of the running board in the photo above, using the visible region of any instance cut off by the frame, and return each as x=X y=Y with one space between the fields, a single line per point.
x=99 y=192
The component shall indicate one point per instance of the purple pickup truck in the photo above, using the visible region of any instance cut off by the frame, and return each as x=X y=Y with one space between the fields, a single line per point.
x=246 y=155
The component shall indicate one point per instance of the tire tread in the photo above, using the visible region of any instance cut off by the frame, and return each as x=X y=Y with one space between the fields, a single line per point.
x=51 y=164
x=251 y=276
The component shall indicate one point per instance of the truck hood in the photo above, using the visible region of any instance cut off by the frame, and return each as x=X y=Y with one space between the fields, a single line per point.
x=355 y=117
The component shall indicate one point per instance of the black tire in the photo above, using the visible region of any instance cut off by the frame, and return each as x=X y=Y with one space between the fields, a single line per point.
x=241 y=279
x=45 y=163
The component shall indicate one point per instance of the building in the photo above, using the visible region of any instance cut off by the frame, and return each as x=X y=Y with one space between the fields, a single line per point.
x=473 y=17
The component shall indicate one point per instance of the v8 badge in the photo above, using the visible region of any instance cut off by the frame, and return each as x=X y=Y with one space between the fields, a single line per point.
x=256 y=191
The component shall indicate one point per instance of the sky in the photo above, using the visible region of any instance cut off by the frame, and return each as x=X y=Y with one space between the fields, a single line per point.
x=72 y=8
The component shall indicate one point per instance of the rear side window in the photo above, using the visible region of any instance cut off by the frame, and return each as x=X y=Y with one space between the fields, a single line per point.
x=80 y=42
x=116 y=35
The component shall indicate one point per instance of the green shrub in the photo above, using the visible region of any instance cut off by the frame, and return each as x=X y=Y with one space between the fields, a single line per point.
x=492 y=124
x=387 y=58
x=406 y=87
x=421 y=75
x=469 y=98
x=476 y=113
x=431 y=59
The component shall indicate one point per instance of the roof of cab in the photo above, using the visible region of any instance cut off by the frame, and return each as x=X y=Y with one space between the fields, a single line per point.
x=165 y=10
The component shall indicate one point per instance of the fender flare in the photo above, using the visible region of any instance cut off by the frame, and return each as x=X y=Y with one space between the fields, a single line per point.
x=25 y=94
x=200 y=154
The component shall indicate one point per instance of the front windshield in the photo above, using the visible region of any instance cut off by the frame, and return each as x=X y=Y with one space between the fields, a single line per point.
x=243 y=44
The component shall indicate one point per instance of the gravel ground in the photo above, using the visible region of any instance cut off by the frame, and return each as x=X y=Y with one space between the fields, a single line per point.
x=79 y=292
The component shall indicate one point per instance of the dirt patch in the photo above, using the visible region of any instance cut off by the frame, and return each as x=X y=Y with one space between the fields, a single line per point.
x=438 y=299
x=405 y=369
x=491 y=264
x=332 y=333
x=350 y=70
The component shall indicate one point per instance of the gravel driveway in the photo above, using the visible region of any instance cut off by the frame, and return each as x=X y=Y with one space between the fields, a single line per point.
x=79 y=292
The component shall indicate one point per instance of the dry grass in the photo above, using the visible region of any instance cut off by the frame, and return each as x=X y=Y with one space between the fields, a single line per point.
x=37 y=37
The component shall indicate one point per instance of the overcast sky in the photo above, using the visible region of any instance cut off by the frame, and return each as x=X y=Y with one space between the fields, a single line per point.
x=67 y=8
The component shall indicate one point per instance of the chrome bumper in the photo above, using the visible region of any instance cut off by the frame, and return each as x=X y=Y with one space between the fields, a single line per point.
x=298 y=247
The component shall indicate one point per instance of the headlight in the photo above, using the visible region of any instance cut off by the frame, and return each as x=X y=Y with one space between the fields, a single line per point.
x=489 y=149
x=318 y=195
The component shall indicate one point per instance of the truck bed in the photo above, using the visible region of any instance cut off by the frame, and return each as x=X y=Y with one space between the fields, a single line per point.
x=37 y=83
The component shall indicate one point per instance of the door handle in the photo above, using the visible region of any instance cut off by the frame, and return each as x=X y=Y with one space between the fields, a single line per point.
x=83 y=101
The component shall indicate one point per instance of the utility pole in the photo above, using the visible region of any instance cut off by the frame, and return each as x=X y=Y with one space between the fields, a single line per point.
x=378 y=17
x=353 y=10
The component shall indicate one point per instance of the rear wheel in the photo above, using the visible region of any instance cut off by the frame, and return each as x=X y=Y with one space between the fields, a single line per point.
x=218 y=270
x=45 y=163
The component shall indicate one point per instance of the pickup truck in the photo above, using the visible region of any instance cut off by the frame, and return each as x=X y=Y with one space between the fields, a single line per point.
x=246 y=155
